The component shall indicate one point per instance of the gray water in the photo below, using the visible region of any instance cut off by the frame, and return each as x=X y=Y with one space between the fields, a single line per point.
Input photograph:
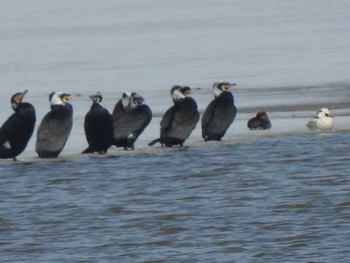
x=274 y=200
x=269 y=196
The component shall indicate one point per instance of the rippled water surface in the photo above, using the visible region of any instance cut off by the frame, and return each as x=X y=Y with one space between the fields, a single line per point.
x=283 y=199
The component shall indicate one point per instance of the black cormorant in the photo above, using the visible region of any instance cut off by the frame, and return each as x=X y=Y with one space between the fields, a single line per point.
x=220 y=112
x=55 y=127
x=260 y=122
x=98 y=126
x=130 y=118
x=18 y=128
x=179 y=120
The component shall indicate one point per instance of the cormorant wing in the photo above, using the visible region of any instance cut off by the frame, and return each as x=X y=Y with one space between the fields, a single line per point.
x=228 y=116
x=221 y=111
x=181 y=119
x=53 y=133
x=9 y=126
x=132 y=122
x=218 y=116
x=208 y=114
x=165 y=123
x=118 y=110
x=96 y=120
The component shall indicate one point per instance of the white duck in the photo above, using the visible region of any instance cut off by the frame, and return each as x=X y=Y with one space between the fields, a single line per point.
x=323 y=121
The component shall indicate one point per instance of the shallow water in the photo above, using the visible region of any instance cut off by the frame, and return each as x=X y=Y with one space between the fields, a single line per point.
x=274 y=200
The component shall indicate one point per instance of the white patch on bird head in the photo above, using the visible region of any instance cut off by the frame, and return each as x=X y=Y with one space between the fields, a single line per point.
x=217 y=92
x=55 y=98
x=126 y=100
x=177 y=94
x=220 y=87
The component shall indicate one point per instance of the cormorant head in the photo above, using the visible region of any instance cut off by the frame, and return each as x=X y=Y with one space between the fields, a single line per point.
x=221 y=87
x=17 y=98
x=136 y=100
x=96 y=98
x=59 y=98
x=180 y=92
x=126 y=100
x=262 y=115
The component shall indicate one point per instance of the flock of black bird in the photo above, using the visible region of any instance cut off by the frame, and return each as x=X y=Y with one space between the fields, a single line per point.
x=121 y=128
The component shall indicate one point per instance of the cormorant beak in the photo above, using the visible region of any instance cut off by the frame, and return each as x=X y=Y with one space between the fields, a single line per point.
x=23 y=94
x=66 y=97
x=191 y=90
x=230 y=85
x=20 y=96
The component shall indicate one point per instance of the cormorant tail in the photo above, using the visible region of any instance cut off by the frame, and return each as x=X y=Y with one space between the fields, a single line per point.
x=87 y=150
x=154 y=142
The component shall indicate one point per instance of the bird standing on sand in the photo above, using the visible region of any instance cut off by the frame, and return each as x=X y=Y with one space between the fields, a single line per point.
x=98 y=126
x=130 y=117
x=323 y=122
x=220 y=112
x=259 y=122
x=179 y=120
x=55 y=127
x=18 y=128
